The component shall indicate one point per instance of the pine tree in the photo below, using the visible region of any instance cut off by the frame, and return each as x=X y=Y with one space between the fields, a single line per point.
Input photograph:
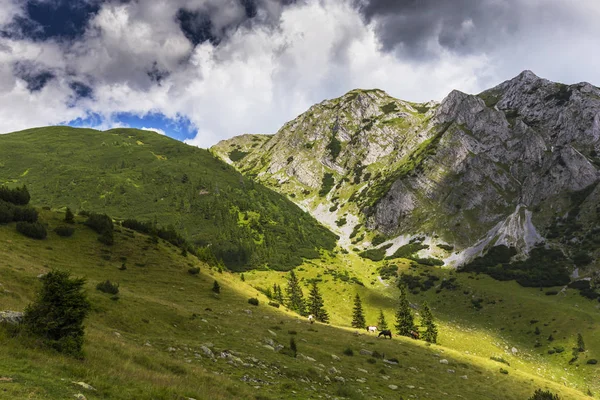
x=58 y=312
x=216 y=287
x=316 y=305
x=279 y=295
x=295 y=298
x=358 y=316
x=404 y=318
x=580 y=343
x=381 y=322
x=427 y=321
x=69 y=217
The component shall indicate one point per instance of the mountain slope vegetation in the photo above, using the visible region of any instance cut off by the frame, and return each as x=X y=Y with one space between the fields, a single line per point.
x=128 y=173
x=168 y=336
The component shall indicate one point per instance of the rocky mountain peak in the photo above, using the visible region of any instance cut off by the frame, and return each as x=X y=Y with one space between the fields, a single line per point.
x=367 y=164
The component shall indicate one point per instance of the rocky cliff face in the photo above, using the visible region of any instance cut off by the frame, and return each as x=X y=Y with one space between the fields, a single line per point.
x=513 y=165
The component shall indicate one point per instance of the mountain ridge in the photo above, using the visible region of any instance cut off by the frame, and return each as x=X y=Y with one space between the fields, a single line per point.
x=452 y=170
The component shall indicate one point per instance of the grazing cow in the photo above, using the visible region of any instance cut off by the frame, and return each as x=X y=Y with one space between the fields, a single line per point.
x=414 y=334
x=385 y=333
x=371 y=329
x=311 y=318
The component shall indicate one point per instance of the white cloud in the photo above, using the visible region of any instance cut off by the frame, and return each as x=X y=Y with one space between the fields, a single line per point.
x=261 y=75
x=157 y=130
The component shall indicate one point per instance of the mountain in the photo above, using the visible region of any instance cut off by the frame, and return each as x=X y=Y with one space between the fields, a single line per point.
x=516 y=165
x=130 y=173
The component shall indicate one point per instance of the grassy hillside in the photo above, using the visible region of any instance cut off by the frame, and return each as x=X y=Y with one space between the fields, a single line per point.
x=148 y=343
x=129 y=173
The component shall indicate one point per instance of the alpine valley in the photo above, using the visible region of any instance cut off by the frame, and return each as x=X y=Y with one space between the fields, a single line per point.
x=477 y=216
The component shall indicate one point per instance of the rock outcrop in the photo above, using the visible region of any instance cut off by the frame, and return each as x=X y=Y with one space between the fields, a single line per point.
x=513 y=165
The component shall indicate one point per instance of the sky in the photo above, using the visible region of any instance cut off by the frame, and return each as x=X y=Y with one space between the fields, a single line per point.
x=205 y=70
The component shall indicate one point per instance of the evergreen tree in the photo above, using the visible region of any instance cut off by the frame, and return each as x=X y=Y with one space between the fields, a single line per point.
x=404 y=318
x=358 y=316
x=216 y=287
x=58 y=312
x=295 y=297
x=580 y=343
x=381 y=322
x=316 y=305
x=69 y=217
x=427 y=321
x=277 y=293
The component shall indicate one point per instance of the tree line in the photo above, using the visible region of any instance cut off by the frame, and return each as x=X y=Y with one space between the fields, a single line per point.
x=405 y=322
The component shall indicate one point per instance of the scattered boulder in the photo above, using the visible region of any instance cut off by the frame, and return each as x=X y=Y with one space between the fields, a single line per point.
x=5 y=379
x=514 y=350
x=336 y=358
x=450 y=371
x=208 y=352
x=393 y=387
x=79 y=396
x=333 y=371
x=84 y=385
x=443 y=361
x=268 y=347
x=366 y=352
x=340 y=379
x=464 y=377
x=390 y=362
x=11 y=317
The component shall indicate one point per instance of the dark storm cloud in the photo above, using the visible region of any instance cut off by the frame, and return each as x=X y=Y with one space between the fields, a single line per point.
x=35 y=75
x=81 y=90
x=156 y=74
x=197 y=26
x=53 y=19
x=461 y=26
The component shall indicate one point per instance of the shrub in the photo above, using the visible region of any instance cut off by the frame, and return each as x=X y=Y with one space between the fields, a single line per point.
x=194 y=271
x=216 y=287
x=64 y=231
x=57 y=314
x=377 y=240
x=33 y=230
x=107 y=238
x=100 y=223
x=293 y=346
x=592 y=361
x=559 y=349
x=17 y=196
x=503 y=371
x=108 y=287
x=292 y=332
x=551 y=292
x=371 y=361
x=253 y=301
x=544 y=395
x=348 y=351
x=274 y=304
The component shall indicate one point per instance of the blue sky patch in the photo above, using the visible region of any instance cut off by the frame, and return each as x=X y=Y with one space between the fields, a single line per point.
x=180 y=128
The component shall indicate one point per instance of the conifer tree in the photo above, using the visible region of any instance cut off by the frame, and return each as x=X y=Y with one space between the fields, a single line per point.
x=277 y=293
x=216 y=287
x=404 y=318
x=295 y=297
x=316 y=304
x=69 y=217
x=381 y=322
x=580 y=343
x=358 y=316
x=427 y=321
